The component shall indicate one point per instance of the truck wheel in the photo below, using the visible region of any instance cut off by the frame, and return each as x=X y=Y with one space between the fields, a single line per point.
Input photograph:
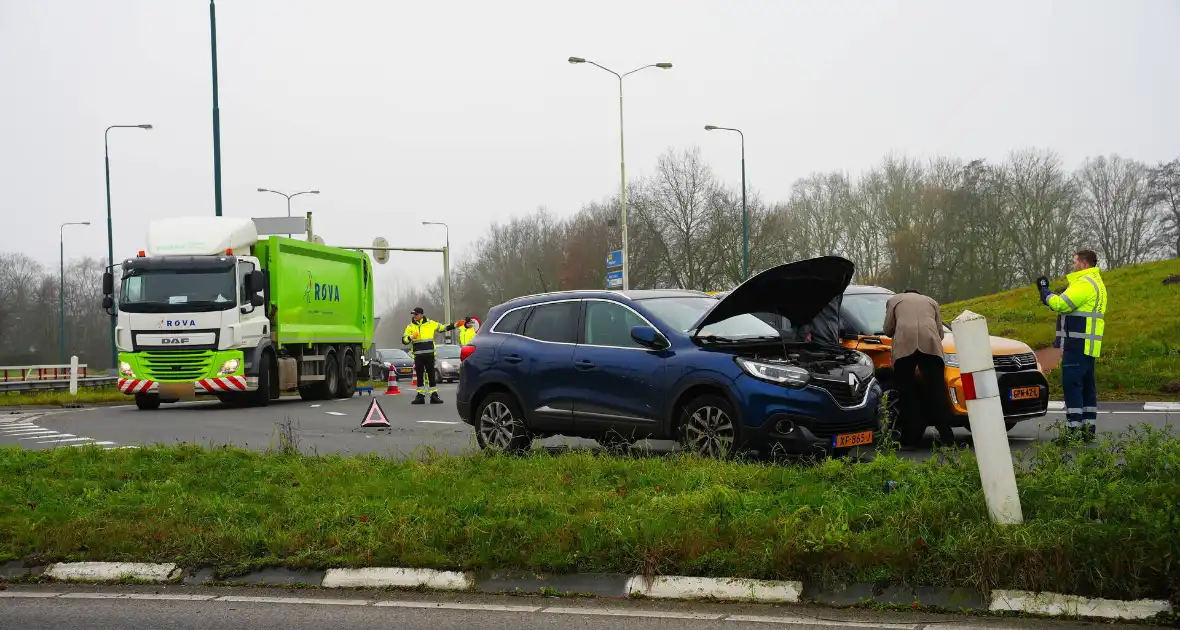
x=347 y=385
x=261 y=396
x=147 y=402
x=331 y=383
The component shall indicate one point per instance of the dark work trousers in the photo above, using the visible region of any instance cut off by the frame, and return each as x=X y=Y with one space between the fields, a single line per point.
x=924 y=401
x=1081 y=394
x=424 y=366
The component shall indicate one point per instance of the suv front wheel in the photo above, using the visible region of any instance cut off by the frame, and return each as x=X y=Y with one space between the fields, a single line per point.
x=499 y=425
x=709 y=428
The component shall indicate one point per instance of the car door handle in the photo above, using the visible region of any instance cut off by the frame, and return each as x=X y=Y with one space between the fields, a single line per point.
x=584 y=365
x=513 y=358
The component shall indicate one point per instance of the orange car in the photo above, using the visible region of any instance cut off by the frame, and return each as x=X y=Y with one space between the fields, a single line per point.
x=1024 y=391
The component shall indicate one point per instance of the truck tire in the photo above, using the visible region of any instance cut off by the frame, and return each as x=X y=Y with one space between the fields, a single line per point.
x=327 y=388
x=348 y=376
x=261 y=396
x=147 y=402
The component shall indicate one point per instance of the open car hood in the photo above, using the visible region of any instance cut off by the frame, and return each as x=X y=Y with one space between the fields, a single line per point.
x=797 y=291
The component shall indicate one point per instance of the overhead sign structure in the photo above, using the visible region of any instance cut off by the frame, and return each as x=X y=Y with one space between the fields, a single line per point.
x=614 y=279
x=614 y=259
x=375 y=417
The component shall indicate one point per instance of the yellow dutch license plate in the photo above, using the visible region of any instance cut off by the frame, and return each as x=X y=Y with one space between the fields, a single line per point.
x=405 y=370
x=1026 y=393
x=846 y=440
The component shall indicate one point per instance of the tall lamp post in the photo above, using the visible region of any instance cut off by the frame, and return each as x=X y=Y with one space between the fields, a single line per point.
x=216 y=112
x=106 y=150
x=745 y=212
x=61 y=292
x=446 y=271
x=622 y=159
x=305 y=192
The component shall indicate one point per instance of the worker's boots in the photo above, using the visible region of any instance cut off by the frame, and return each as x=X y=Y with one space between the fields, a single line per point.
x=434 y=399
x=420 y=399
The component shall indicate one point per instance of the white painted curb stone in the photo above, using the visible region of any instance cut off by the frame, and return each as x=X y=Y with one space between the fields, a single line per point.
x=408 y=578
x=1161 y=406
x=112 y=571
x=1056 y=405
x=1055 y=604
x=677 y=587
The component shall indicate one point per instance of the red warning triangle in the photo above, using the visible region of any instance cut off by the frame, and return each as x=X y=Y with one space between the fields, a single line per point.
x=375 y=416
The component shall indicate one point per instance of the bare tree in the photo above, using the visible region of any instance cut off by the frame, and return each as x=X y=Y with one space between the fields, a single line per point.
x=1164 y=192
x=1117 y=208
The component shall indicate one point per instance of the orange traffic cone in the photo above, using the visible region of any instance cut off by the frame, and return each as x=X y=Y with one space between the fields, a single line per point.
x=414 y=380
x=391 y=386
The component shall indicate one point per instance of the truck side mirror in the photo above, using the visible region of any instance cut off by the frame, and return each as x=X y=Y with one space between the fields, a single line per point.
x=108 y=284
x=255 y=283
x=107 y=302
x=256 y=300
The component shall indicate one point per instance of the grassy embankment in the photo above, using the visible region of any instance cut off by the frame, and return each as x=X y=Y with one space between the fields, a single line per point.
x=1141 y=350
x=1100 y=521
x=92 y=396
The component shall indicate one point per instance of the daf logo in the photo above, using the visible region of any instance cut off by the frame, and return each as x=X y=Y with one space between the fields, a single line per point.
x=853 y=382
x=174 y=340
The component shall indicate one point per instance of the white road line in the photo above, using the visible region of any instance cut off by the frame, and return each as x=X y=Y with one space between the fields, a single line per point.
x=27 y=431
x=435 y=422
x=38 y=437
x=335 y=413
x=18 y=425
x=116 y=448
x=27 y=595
x=316 y=406
x=1117 y=413
x=74 y=439
x=94 y=444
x=832 y=623
x=1161 y=406
x=456 y=606
x=624 y=612
x=293 y=600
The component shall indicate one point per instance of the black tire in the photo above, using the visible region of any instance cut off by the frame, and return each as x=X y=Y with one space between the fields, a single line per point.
x=325 y=389
x=261 y=396
x=905 y=433
x=709 y=427
x=147 y=402
x=347 y=384
x=309 y=392
x=499 y=424
x=615 y=443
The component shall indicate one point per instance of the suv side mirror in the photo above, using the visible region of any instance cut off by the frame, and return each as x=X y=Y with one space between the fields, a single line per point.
x=649 y=337
x=108 y=284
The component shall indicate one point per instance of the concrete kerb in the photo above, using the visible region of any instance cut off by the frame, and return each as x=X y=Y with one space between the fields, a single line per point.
x=659 y=587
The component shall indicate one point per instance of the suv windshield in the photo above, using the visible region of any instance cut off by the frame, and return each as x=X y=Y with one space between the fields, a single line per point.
x=682 y=312
x=178 y=291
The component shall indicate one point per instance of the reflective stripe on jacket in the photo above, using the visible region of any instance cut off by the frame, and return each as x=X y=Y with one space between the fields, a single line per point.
x=1081 y=312
x=427 y=329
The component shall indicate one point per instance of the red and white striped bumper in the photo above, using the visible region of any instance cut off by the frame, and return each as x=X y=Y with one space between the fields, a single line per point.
x=220 y=385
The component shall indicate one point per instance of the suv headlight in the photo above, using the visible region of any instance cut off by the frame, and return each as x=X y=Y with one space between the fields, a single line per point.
x=125 y=370
x=229 y=367
x=951 y=359
x=782 y=374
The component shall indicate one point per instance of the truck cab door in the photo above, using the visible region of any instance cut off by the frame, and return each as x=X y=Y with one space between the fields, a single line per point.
x=253 y=325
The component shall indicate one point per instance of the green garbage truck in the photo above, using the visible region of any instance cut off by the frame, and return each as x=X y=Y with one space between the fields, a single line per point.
x=213 y=309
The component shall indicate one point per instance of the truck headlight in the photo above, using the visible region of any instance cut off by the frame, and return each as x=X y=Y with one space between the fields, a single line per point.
x=125 y=370
x=229 y=367
x=951 y=359
x=782 y=374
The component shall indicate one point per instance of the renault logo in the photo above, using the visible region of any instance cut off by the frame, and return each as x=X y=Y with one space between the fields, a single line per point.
x=853 y=382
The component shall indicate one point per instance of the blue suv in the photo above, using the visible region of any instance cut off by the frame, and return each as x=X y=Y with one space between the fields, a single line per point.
x=620 y=366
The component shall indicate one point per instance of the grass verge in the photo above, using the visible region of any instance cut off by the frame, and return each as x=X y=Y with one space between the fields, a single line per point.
x=1101 y=521
x=1141 y=350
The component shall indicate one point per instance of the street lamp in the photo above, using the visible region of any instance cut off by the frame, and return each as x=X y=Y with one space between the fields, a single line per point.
x=110 y=229
x=216 y=112
x=61 y=292
x=622 y=160
x=745 y=212
x=446 y=271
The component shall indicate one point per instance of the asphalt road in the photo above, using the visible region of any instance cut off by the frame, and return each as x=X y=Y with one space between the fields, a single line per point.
x=334 y=427
x=179 y=608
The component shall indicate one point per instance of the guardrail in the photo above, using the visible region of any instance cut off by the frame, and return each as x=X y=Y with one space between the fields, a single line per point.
x=48 y=385
x=22 y=373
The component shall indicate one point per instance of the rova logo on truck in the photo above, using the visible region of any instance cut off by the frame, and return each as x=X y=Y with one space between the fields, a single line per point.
x=177 y=323
x=316 y=292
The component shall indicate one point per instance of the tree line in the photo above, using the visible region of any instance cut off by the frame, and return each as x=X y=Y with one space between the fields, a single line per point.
x=949 y=227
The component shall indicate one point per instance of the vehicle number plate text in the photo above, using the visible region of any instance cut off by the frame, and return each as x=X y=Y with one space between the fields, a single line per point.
x=1026 y=393
x=846 y=440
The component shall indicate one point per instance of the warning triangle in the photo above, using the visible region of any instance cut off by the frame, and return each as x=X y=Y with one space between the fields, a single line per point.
x=375 y=416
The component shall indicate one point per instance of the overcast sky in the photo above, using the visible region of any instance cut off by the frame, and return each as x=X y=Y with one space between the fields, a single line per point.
x=467 y=112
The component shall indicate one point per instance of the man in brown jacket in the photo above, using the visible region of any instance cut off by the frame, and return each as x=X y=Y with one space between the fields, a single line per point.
x=914 y=321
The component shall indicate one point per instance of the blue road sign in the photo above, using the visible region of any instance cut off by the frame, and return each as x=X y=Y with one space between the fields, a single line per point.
x=614 y=259
x=614 y=279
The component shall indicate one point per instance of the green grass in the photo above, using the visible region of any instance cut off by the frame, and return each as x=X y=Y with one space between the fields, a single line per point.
x=1100 y=521
x=1141 y=349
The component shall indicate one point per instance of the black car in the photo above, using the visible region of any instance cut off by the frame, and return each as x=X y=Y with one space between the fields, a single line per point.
x=387 y=359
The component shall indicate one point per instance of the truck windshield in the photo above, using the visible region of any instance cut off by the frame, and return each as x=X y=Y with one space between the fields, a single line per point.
x=178 y=291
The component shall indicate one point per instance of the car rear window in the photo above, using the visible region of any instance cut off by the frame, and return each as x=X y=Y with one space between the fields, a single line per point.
x=555 y=322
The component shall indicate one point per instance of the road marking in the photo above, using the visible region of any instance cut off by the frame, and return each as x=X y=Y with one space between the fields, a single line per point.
x=335 y=413
x=624 y=612
x=293 y=600
x=435 y=422
x=38 y=437
x=19 y=425
x=832 y=623
x=94 y=444
x=34 y=430
x=456 y=606
x=315 y=406
x=27 y=594
x=74 y=439
x=1161 y=406
x=1120 y=413
x=118 y=448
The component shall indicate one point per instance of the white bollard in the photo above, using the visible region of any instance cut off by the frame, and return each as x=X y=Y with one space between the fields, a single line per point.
x=74 y=375
x=986 y=415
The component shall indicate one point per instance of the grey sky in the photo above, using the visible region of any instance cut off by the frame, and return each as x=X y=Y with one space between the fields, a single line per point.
x=467 y=112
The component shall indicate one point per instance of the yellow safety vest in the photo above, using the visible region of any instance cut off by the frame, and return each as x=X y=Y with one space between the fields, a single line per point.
x=1081 y=309
x=466 y=335
x=427 y=330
